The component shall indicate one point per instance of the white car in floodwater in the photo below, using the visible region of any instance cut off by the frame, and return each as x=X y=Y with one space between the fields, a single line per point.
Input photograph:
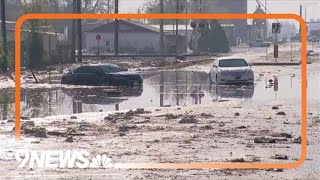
x=231 y=70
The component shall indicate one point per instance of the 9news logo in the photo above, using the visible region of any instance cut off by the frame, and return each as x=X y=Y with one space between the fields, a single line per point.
x=61 y=159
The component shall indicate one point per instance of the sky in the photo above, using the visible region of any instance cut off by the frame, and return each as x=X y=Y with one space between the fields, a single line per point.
x=274 y=6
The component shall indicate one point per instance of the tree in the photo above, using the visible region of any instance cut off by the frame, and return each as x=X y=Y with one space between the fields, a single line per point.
x=35 y=42
x=152 y=7
x=213 y=38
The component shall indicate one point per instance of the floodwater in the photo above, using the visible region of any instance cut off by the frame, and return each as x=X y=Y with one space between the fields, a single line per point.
x=160 y=89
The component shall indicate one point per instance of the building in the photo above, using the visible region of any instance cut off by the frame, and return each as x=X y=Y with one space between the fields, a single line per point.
x=134 y=38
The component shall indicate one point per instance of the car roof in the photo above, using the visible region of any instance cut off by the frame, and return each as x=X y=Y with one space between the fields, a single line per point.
x=230 y=57
x=97 y=65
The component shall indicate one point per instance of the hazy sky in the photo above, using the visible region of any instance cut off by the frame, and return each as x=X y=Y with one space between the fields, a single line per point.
x=274 y=6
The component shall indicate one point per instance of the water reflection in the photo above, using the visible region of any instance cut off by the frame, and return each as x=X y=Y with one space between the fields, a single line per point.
x=167 y=88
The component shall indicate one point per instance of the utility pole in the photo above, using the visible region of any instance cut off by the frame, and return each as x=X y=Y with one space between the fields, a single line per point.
x=73 y=32
x=79 y=31
x=177 y=26
x=300 y=16
x=186 y=33
x=116 y=30
x=162 y=49
x=3 y=30
x=266 y=25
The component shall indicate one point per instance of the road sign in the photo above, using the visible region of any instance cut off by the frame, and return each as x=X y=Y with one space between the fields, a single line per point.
x=276 y=28
x=98 y=37
x=276 y=51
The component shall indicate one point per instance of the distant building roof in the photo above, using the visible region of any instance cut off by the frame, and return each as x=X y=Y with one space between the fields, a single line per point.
x=125 y=26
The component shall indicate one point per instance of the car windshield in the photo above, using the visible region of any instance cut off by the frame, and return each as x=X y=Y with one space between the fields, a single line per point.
x=233 y=63
x=110 y=69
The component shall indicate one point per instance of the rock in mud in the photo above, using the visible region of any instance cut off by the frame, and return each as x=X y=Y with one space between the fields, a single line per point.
x=123 y=129
x=188 y=120
x=171 y=116
x=129 y=113
x=237 y=114
x=264 y=140
x=55 y=133
x=41 y=134
x=69 y=139
x=237 y=160
x=26 y=124
x=241 y=127
x=73 y=117
x=286 y=135
x=122 y=134
x=10 y=121
x=139 y=111
x=206 y=115
x=275 y=107
x=281 y=113
x=207 y=127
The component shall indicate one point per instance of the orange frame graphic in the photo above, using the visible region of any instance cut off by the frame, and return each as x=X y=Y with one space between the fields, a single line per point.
x=303 y=25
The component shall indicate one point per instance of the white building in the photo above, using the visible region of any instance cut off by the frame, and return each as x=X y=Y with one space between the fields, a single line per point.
x=134 y=38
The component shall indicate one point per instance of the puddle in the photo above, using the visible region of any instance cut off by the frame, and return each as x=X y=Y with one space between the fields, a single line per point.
x=172 y=88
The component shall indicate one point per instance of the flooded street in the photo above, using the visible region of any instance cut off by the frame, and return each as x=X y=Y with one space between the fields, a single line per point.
x=162 y=89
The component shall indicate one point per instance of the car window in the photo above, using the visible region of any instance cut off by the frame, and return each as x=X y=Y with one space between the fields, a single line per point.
x=233 y=63
x=110 y=68
x=85 y=69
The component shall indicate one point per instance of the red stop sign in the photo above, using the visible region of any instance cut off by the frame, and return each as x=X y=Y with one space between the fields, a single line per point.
x=98 y=37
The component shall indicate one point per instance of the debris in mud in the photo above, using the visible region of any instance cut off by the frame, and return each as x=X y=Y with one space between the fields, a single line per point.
x=26 y=124
x=41 y=133
x=286 y=135
x=264 y=140
x=297 y=140
x=206 y=115
x=122 y=134
x=237 y=114
x=188 y=120
x=279 y=157
x=69 y=139
x=237 y=160
x=71 y=130
x=73 y=117
x=139 y=111
x=55 y=133
x=275 y=107
x=275 y=170
x=207 y=127
x=123 y=129
x=157 y=110
x=241 y=127
x=281 y=113
x=221 y=124
x=10 y=121
x=129 y=113
x=171 y=116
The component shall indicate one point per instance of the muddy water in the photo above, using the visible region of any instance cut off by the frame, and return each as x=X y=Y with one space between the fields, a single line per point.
x=173 y=88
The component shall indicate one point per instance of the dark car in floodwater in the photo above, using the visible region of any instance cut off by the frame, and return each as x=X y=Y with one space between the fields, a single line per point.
x=102 y=75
